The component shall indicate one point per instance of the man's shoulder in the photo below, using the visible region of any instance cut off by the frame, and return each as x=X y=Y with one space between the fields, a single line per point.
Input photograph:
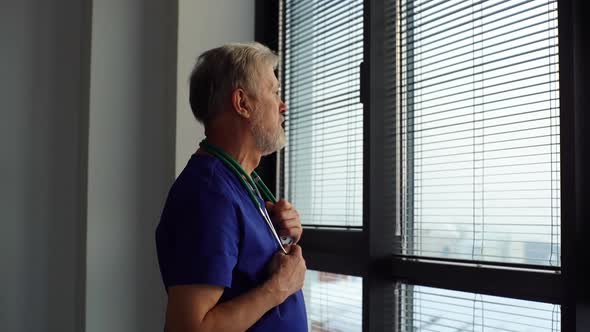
x=203 y=176
x=199 y=190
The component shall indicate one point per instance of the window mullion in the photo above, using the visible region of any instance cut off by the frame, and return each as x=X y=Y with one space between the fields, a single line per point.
x=541 y=286
x=379 y=290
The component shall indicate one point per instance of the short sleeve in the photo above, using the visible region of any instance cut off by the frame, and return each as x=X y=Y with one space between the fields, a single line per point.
x=198 y=238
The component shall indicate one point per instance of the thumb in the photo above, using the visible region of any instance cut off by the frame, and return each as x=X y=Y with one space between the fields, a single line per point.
x=294 y=250
x=269 y=205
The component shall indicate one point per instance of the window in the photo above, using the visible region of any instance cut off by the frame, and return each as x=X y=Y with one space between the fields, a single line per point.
x=322 y=165
x=323 y=169
x=434 y=309
x=333 y=302
x=478 y=142
x=479 y=118
x=430 y=154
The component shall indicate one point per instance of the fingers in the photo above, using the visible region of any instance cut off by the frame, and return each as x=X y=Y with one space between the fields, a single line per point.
x=286 y=219
x=287 y=272
x=290 y=223
x=295 y=250
x=291 y=249
x=291 y=231
x=282 y=209
x=286 y=214
x=283 y=204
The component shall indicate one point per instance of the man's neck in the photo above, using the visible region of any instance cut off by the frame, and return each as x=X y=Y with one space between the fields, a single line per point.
x=243 y=151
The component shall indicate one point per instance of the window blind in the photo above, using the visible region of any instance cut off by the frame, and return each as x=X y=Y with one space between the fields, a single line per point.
x=333 y=302
x=322 y=48
x=478 y=141
x=434 y=309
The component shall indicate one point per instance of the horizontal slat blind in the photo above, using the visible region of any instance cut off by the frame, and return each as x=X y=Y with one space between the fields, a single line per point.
x=479 y=143
x=333 y=302
x=434 y=309
x=322 y=48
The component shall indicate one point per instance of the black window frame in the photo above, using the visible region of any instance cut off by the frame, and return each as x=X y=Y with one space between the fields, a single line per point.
x=337 y=251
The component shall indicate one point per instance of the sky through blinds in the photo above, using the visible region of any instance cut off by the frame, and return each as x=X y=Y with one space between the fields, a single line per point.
x=479 y=130
x=323 y=169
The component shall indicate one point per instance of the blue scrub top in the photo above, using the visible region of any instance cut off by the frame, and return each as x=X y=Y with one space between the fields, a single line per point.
x=211 y=233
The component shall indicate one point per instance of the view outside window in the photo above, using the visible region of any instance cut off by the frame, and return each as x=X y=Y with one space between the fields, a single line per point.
x=479 y=130
x=323 y=173
x=333 y=302
x=432 y=309
x=478 y=148
x=478 y=124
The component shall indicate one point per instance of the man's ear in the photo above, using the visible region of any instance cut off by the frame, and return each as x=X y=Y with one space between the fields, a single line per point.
x=241 y=104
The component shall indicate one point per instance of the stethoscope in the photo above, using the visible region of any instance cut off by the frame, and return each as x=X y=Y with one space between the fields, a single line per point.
x=251 y=183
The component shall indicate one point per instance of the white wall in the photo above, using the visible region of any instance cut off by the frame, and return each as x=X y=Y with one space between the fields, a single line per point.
x=41 y=179
x=87 y=119
x=130 y=160
x=202 y=25
x=87 y=156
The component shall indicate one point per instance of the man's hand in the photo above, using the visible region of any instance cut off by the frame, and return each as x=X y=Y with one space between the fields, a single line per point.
x=286 y=219
x=197 y=308
x=287 y=273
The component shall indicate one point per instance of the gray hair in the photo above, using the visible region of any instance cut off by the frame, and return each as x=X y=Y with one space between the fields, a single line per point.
x=221 y=70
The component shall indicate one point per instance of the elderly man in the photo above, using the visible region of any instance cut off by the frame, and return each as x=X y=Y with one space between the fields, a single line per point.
x=221 y=259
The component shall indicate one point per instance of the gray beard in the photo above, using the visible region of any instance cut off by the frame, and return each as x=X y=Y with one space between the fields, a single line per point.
x=265 y=140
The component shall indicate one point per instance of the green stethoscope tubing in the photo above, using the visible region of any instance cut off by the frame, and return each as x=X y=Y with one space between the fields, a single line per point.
x=251 y=183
